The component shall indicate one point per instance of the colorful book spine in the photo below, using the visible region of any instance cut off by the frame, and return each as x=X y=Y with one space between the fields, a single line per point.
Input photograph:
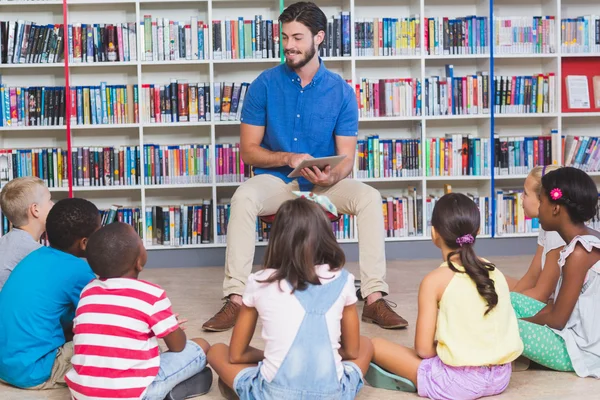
x=337 y=41
x=167 y=40
x=452 y=95
x=533 y=94
x=176 y=164
x=457 y=155
x=525 y=35
x=580 y=34
x=179 y=225
x=387 y=158
x=582 y=152
x=401 y=36
x=450 y=36
x=32 y=106
x=128 y=215
x=518 y=155
x=402 y=214
x=395 y=97
x=104 y=104
x=484 y=204
x=102 y=42
x=26 y=42
x=231 y=38
x=106 y=166
x=510 y=216
x=229 y=164
x=48 y=164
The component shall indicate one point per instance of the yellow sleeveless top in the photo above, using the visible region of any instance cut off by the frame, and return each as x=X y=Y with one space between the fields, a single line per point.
x=468 y=338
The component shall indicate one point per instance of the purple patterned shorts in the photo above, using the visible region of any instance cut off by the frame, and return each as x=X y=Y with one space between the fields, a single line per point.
x=439 y=381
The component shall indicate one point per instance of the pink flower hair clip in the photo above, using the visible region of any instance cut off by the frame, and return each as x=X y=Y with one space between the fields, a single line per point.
x=556 y=194
x=465 y=239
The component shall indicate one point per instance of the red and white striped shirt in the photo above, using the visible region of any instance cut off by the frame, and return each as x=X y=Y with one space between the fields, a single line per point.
x=116 y=328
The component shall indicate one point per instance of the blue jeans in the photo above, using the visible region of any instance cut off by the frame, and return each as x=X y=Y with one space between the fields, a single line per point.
x=249 y=384
x=176 y=368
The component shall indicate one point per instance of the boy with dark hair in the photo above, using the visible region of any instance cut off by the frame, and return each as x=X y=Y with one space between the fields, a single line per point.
x=117 y=324
x=38 y=301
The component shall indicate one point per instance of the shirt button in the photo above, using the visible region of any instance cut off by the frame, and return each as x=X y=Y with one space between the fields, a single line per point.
x=298 y=115
x=295 y=139
x=302 y=91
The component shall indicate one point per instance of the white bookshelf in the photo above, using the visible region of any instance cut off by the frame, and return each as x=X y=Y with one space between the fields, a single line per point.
x=352 y=68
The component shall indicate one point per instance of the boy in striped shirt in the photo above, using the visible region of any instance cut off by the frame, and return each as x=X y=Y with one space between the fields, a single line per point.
x=117 y=324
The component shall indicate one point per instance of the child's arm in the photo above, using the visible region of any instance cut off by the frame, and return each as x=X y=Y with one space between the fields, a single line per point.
x=548 y=277
x=531 y=276
x=240 y=350
x=350 y=340
x=427 y=315
x=176 y=340
x=574 y=273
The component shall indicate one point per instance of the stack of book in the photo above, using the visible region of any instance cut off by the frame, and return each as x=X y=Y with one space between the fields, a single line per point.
x=179 y=225
x=130 y=216
x=32 y=106
x=450 y=95
x=485 y=212
x=581 y=34
x=25 y=42
x=229 y=163
x=106 y=166
x=403 y=215
x=166 y=40
x=525 y=94
x=105 y=104
x=235 y=39
x=457 y=155
x=337 y=41
x=387 y=158
x=582 y=152
x=510 y=216
x=525 y=35
x=48 y=164
x=176 y=164
x=518 y=155
x=396 y=97
x=387 y=36
x=464 y=35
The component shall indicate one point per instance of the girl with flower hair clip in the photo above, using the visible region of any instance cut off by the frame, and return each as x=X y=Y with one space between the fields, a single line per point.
x=467 y=333
x=565 y=335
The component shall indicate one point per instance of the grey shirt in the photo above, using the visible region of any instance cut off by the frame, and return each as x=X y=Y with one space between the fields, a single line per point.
x=14 y=246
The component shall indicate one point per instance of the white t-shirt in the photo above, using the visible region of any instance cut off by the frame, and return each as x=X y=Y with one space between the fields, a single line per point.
x=549 y=241
x=281 y=315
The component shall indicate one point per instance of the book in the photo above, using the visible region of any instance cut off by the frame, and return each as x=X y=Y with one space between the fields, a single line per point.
x=525 y=35
x=462 y=35
x=399 y=36
x=578 y=95
x=176 y=164
x=387 y=158
x=580 y=34
x=393 y=97
x=165 y=40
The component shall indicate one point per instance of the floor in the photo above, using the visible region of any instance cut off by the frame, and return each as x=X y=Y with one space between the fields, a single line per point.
x=195 y=294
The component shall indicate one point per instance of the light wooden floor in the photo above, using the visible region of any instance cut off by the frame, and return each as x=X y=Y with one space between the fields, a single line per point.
x=196 y=293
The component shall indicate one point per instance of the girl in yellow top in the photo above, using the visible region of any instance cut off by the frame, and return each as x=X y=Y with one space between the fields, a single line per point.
x=467 y=333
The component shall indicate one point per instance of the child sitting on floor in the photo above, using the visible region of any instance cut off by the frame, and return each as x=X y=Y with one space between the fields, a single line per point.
x=118 y=322
x=26 y=203
x=38 y=301
x=565 y=335
x=541 y=278
x=465 y=305
x=307 y=304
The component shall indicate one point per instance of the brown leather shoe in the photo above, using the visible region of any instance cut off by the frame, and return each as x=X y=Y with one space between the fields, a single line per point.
x=224 y=319
x=381 y=313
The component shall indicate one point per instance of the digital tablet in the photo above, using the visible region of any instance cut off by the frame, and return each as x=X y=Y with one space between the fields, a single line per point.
x=320 y=163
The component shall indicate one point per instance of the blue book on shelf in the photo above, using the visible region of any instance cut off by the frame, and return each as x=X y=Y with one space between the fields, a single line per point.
x=93 y=105
x=104 y=103
x=241 y=41
x=254 y=39
x=534 y=89
x=345 y=34
x=228 y=39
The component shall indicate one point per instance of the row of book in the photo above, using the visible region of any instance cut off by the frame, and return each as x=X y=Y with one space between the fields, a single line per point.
x=395 y=97
x=525 y=94
x=485 y=212
x=244 y=38
x=229 y=164
x=457 y=155
x=581 y=34
x=176 y=165
x=181 y=101
x=582 y=152
x=337 y=42
x=179 y=225
x=387 y=36
x=32 y=106
x=50 y=165
x=165 y=40
x=105 y=104
x=525 y=35
x=25 y=42
x=403 y=215
x=127 y=215
x=464 y=35
x=387 y=158
x=518 y=155
x=510 y=216
x=106 y=166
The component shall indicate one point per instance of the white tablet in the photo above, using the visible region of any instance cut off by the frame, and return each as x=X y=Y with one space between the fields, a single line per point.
x=320 y=163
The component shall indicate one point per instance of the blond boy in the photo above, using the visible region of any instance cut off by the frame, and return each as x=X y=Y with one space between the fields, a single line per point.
x=26 y=203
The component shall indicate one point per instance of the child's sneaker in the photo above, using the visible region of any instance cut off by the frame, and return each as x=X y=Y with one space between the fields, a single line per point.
x=382 y=379
x=197 y=385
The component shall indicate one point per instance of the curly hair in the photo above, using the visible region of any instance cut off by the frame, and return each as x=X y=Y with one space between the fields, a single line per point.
x=70 y=220
x=113 y=250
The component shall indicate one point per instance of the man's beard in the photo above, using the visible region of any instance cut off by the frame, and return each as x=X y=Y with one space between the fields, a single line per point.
x=304 y=60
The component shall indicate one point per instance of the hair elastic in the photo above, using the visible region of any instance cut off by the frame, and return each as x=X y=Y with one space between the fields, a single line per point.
x=465 y=239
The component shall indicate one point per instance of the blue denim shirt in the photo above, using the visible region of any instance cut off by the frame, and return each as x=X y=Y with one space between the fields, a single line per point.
x=297 y=119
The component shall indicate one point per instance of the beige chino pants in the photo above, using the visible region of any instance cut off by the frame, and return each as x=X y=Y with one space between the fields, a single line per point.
x=264 y=194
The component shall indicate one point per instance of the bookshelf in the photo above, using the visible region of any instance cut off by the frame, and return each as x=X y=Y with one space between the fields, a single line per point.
x=409 y=61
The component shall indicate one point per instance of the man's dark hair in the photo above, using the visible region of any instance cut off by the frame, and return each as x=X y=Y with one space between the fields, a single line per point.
x=70 y=220
x=112 y=251
x=308 y=14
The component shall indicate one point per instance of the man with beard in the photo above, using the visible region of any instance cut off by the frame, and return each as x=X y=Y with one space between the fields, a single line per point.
x=293 y=112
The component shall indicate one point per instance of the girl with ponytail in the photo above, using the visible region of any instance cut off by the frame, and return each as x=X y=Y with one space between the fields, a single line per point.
x=467 y=333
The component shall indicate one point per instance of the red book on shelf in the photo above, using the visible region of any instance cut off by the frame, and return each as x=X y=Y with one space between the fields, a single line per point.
x=182 y=101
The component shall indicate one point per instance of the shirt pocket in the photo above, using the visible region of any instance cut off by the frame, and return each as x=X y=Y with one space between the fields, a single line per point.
x=321 y=127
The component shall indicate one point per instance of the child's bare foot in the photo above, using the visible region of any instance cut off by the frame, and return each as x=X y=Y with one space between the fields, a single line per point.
x=226 y=391
x=521 y=364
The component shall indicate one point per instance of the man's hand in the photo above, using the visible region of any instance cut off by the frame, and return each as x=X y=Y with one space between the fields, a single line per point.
x=293 y=160
x=317 y=177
